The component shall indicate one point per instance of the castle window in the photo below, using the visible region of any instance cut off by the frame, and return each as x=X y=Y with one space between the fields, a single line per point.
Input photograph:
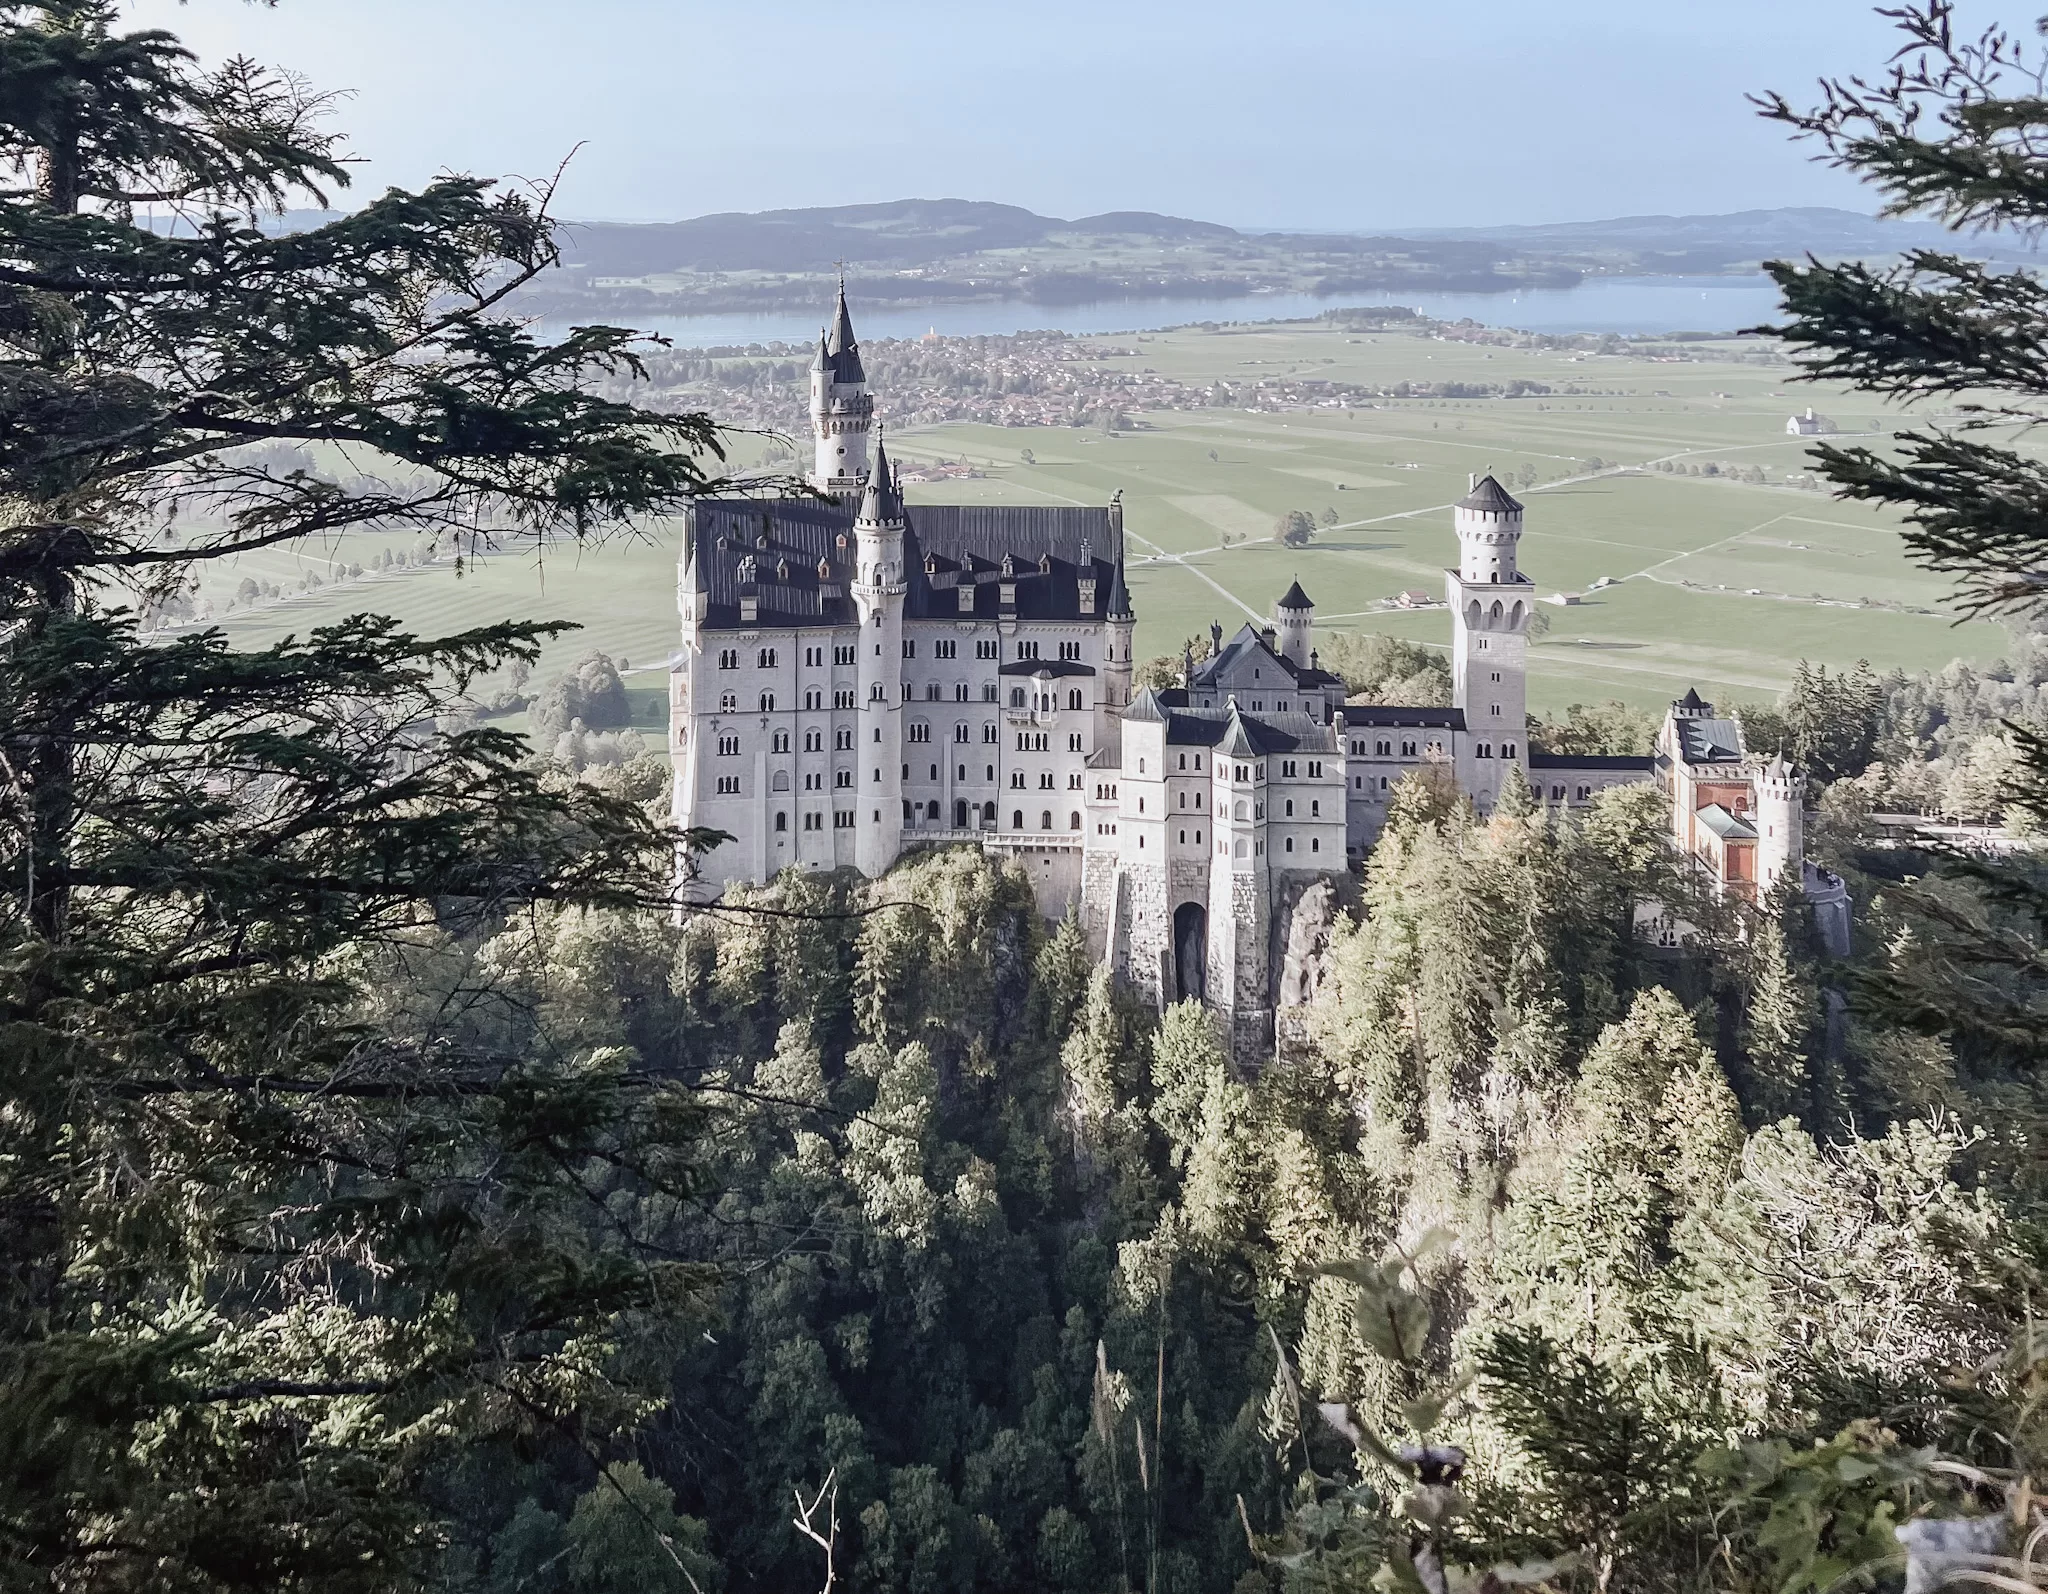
x=960 y=816
x=988 y=813
x=985 y=650
x=1016 y=697
x=959 y=691
x=1073 y=697
x=728 y=785
x=1585 y=793
x=1315 y=769
x=814 y=741
x=780 y=742
x=728 y=658
x=843 y=654
x=1407 y=749
x=988 y=732
x=814 y=699
x=843 y=698
x=1074 y=782
x=842 y=780
x=728 y=702
x=1016 y=780
x=1045 y=780
x=728 y=747
x=1484 y=750
x=781 y=823
x=920 y=732
x=1315 y=844
x=1198 y=838
x=910 y=647
x=931 y=691
x=875 y=692
x=1183 y=838
x=1290 y=844
x=1198 y=763
x=1315 y=809
x=767 y=702
x=1073 y=741
x=1383 y=783
x=814 y=656
x=960 y=732
x=766 y=658
x=1071 y=651
x=1496 y=675
x=1557 y=794
x=1017 y=819
x=1290 y=808
x=1507 y=749
x=843 y=740
x=1141 y=805
x=945 y=649
x=1027 y=650
x=988 y=691
x=1287 y=768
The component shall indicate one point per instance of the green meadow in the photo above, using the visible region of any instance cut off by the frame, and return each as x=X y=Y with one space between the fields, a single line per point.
x=1713 y=582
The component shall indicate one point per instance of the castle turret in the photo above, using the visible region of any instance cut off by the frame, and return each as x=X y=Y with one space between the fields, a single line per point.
x=841 y=409
x=877 y=590
x=1293 y=619
x=1240 y=895
x=1490 y=603
x=1780 y=823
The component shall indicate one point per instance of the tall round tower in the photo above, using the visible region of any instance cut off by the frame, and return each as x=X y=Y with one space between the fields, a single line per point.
x=1489 y=525
x=1780 y=822
x=877 y=590
x=842 y=411
x=1294 y=619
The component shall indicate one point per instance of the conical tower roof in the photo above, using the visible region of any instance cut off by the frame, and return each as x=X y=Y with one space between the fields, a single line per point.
x=1119 y=594
x=881 y=502
x=840 y=346
x=1297 y=599
x=1489 y=497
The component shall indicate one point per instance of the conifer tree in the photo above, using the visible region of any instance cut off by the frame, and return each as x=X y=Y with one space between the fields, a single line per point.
x=276 y=1246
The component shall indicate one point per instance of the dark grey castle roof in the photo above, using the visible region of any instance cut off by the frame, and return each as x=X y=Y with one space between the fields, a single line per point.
x=1395 y=716
x=1707 y=741
x=1209 y=673
x=881 y=501
x=1255 y=734
x=1591 y=763
x=1297 y=599
x=1490 y=498
x=788 y=538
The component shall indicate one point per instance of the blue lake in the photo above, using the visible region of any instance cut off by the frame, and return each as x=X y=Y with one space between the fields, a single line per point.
x=1599 y=304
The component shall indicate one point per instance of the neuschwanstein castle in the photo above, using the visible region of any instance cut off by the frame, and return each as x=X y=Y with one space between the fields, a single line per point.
x=859 y=677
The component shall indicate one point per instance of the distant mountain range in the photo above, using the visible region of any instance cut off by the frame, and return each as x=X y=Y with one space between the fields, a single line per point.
x=939 y=251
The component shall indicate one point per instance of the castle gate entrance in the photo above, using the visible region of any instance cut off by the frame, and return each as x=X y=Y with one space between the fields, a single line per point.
x=1190 y=952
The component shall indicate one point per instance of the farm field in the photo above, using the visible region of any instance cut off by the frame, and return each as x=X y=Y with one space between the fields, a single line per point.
x=1716 y=583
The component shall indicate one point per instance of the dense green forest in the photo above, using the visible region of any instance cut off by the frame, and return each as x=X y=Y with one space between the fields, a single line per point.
x=398 y=1191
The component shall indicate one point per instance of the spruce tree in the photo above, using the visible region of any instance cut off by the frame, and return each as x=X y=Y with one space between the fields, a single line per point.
x=279 y=1243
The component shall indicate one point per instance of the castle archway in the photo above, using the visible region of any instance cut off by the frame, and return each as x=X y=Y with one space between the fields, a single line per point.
x=1190 y=952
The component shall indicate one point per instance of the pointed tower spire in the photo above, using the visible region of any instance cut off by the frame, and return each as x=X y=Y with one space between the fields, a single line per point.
x=840 y=344
x=883 y=500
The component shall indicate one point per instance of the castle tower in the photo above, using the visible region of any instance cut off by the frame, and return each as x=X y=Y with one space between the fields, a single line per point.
x=877 y=590
x=1293 y=618
x=1780 y=823
x=1490 y=602
x=1144 y=927
x=842 y=411
x=1240 y=898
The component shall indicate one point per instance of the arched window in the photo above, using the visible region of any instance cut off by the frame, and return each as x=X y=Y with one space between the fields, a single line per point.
x=767 y=702
x=1074 y=697
x=1074 y=820
x=1016 y=819
x=728 y=703
x=780 y=783
x=988 y=813
x=1016 y=697
x=1290 y=808
x=1241 y=814
x=960 y=815
x=932 y=812
x=1045 y=819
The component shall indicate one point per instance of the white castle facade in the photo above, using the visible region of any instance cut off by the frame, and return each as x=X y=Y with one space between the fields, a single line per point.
x=859 y=677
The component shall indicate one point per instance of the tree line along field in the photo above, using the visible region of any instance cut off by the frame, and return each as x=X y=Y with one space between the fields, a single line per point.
x=1717 y=583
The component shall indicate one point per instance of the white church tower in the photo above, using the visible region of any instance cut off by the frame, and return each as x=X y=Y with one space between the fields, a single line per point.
x=878 y=590
x=842 y=410
x=1490 y=603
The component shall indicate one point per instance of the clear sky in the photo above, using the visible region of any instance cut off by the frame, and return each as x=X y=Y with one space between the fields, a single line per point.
x=1339 y=114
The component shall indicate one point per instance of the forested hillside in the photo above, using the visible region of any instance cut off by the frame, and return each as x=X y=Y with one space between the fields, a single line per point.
x=1009 y=1265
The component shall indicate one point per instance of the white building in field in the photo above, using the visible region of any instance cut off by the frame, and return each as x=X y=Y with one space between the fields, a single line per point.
x=860 y=677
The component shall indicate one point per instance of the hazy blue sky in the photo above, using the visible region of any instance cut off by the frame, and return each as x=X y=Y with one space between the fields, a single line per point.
x=1313 y=113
